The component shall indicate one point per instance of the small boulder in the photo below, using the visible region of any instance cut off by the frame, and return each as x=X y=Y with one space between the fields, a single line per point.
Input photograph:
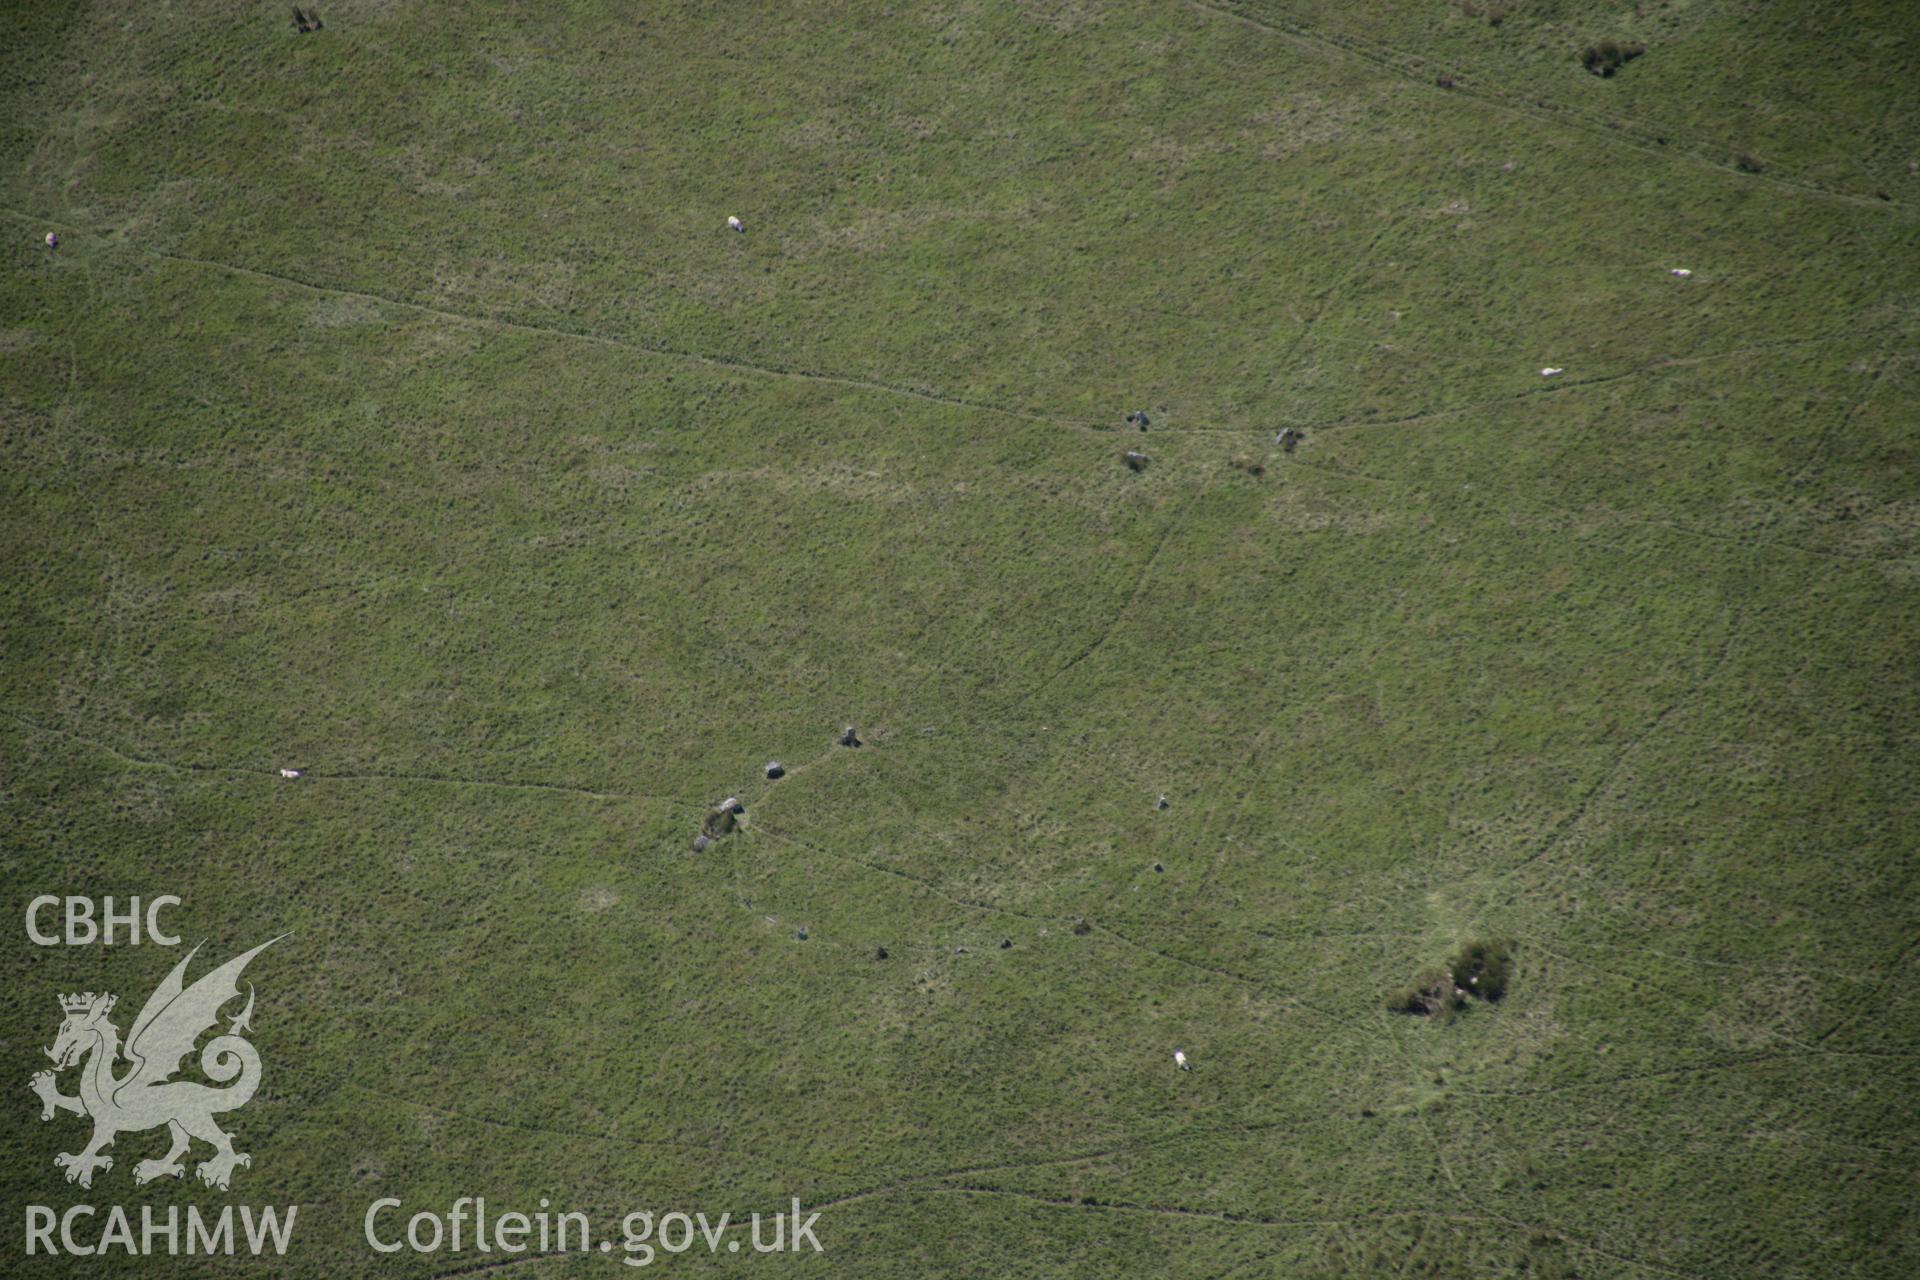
x=775 y=769
x=848 y=738
x=879 y=953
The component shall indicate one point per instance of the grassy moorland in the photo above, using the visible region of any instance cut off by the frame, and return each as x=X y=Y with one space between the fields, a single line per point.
x=398 y=406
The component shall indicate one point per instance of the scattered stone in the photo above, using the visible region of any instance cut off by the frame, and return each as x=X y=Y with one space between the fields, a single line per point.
x=305 y=22
x=848 y=738
x=1136 y=460
x=879 y=953
x=1006 y=944
x=1139 y=418
x=1159 y=869
x=801 y=933
x=960 y=951
x=775 y=769
x=1081 y=928
x=731 y=805
x=1445 y=82
x=1367 y=1113
x=1161 y=803
x=1289 y=438
x=701 y=841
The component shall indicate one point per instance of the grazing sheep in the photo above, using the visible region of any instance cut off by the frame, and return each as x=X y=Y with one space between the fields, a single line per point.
x=291 y=773
x=775 y=769
x=1161 y=803
x=1551 y=372
x=1682 y=272
x=1181 y=1058
x=53 y=240
x=736 y=224
x=1136 y=460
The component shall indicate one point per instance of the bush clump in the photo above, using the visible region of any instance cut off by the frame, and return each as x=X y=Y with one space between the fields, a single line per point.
x=1433 y=994
x=1609 y=56
x=1476 y=971
x=1482 y=968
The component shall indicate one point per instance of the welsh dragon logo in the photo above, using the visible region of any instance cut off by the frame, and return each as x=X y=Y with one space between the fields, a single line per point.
x=146 y=1096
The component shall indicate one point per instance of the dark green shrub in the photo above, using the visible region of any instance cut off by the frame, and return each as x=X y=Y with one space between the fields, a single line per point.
x=1482 y=969
x=1477 y=970
x=1609 y=56
x=1433 y=993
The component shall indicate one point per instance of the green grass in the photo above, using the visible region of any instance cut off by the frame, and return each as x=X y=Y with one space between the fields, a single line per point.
x=398 y=406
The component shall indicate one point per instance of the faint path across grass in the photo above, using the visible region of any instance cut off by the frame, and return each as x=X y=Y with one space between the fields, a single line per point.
x=1613 y=132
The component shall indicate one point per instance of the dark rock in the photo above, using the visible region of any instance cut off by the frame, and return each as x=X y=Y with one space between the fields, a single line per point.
x=848 y=738
x=879 y=953
x=1006 y=943
x=775 y=769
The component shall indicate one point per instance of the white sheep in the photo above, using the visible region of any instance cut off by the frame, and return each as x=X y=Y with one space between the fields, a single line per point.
x=291 y=773
x=1682 y=272
x=1181 y=1058
x=736 y=224
x=1551 y=372
x=53 y=240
